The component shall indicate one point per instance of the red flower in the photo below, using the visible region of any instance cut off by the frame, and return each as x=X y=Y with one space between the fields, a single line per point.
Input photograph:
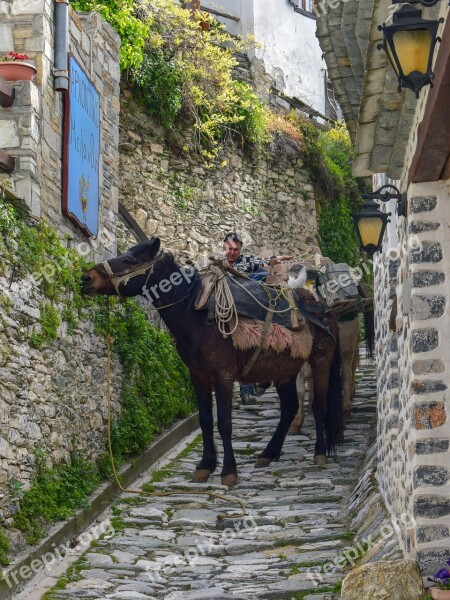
x=13 y=56
x=17 y=56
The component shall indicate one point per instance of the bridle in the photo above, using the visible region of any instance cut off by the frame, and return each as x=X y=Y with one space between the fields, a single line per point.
x=124 y=277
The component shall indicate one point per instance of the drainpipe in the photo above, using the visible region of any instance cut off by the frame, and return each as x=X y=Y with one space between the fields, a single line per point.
x=61 y=45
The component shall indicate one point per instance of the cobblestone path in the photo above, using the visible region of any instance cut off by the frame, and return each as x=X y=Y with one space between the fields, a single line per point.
x=175 y=548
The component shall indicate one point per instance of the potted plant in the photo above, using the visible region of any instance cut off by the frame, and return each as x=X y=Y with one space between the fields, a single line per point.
x=12 y=67
x=442 y=580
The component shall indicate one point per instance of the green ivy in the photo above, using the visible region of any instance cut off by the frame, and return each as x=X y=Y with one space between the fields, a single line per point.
x=122 y=15
x=336 y=231
x=4 y=548
x=339 y=194
x=157 y=389
x=54 y=494
x=50 y=321
x=34 y=249
x=159 y=81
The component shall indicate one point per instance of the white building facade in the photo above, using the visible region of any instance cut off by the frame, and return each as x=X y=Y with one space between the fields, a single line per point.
x=289 y=51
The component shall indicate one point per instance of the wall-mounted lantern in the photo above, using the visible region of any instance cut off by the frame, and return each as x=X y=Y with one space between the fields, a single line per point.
x=370 y=223
x=409 y=44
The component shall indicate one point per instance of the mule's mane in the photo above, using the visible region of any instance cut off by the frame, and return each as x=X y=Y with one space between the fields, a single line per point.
x=186 y=289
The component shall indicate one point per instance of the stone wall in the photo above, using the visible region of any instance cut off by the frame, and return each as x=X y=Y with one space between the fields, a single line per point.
x=54 y=399
x=173 y=195
x=31 y=129
x=414 y=429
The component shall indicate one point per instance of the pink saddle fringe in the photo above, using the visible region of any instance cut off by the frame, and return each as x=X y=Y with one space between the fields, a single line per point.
x=247 y=335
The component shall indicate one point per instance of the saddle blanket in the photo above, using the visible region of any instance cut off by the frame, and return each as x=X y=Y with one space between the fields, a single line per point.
x=247 y=336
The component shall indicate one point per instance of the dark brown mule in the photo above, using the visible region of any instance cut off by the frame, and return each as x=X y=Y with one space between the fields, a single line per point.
x=215 y=364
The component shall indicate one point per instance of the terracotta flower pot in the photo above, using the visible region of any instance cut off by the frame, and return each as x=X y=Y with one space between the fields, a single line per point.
x=440 y=594
x=17 y=71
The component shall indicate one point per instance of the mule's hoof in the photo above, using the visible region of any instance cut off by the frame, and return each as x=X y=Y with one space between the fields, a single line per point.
x=201 y=476
x=295 y=430
x=262 y=462
x=229 y=480
x=320 y=459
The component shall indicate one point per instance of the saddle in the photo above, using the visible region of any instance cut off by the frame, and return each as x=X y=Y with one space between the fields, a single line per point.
x=256 y=300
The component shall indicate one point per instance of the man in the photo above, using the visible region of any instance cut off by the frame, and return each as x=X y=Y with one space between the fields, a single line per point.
x=232 y=245
x=257 y=268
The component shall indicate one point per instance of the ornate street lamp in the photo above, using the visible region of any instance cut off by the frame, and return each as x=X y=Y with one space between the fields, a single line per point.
x=370 y=223
x=409 y=44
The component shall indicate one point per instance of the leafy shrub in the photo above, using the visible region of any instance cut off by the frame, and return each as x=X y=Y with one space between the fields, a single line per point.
x=159 y=80
x=54 y=494
x=156 y=385
x=156 y=389
x=4 y=549
x=122 y=16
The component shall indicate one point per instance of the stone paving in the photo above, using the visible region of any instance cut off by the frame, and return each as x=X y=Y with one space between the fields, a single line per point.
x=177 y=548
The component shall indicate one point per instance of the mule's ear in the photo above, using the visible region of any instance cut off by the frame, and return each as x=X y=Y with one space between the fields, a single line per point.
x=147 y=250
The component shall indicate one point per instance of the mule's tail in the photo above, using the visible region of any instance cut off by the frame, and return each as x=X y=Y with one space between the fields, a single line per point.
x=369 y=326
x=334 y=421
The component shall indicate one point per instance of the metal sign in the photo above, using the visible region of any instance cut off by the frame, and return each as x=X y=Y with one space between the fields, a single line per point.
x=81 y=150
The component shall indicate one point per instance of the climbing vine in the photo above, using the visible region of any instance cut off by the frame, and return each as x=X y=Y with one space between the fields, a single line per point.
x=339 y=196
x=155 y=385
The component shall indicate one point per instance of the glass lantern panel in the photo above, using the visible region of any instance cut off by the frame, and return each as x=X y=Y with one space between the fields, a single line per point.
x=413 y=49
x=370 y=229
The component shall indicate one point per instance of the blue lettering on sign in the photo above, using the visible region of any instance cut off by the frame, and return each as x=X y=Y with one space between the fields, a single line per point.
x=83 y=150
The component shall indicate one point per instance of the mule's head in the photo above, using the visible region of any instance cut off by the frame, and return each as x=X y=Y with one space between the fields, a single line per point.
x=124 y=275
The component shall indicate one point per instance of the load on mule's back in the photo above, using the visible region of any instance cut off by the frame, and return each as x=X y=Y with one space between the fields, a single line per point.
x=213 y=361
x=343 y=290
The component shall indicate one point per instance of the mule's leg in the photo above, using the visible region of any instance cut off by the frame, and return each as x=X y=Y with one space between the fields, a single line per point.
x=321 y=359
x=224 y=397
x=310 y=384
x=208 y=463
x=355 y=365
x=288 y=408
x=297 y=423
x=348 y=333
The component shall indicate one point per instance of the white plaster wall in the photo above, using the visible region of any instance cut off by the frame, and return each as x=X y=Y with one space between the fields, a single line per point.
x=290 y=50
x=242 y=9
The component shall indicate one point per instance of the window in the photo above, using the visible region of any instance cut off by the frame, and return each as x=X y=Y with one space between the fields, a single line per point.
x=305 y=7
x=332 y=108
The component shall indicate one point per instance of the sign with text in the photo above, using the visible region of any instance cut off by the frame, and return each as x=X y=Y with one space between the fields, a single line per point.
x=81 y=150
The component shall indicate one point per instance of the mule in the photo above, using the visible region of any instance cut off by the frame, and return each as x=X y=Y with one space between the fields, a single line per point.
x=215 y=364
x=349 y=347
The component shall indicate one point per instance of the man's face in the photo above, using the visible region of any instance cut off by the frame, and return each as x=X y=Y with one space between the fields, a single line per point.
x=232 y=251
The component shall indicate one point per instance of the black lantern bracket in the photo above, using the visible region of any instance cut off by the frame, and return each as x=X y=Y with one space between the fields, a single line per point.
x=385 y=196
x=425 y=3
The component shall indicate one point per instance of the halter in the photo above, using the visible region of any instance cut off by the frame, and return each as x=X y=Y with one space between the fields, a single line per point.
x=125 y=276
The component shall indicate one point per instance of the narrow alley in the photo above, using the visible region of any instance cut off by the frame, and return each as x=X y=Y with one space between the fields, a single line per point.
x=177 y=548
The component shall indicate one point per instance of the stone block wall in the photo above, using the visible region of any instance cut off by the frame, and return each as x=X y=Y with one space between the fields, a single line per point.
x=31 y=129
x=270 y=199
x=414 y=428
x=53 y=399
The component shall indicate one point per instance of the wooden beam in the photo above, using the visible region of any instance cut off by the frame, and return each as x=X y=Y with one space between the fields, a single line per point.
x=433 y=137
x=446 y=171
x=218 y=13
x=7 y=93
x=132 y=225
x=7 y=162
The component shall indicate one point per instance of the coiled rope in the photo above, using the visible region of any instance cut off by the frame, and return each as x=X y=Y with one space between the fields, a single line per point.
x=225 y=311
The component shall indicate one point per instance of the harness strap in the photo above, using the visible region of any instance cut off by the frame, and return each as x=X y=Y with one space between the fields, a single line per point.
x=125 y=276
x=262 y=341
